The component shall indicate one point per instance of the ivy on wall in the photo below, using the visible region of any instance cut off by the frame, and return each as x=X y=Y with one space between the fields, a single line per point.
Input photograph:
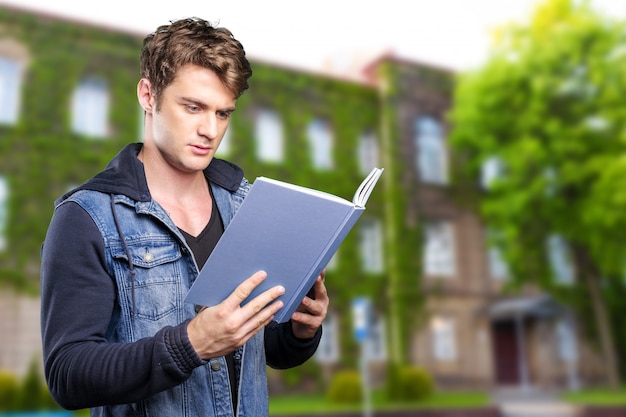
x=40 y=156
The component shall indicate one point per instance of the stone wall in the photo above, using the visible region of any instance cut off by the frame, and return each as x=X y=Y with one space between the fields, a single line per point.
x=20 y=340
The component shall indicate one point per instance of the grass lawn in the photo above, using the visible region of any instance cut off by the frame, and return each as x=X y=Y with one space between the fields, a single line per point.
x=597 y=397
x=307 y=404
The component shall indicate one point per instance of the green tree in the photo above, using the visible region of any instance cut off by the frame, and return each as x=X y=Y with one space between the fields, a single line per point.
x=548 y=107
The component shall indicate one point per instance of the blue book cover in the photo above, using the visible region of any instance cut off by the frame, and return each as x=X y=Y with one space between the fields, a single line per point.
x=288 y=231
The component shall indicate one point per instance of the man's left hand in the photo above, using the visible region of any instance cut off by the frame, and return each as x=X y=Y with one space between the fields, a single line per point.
x=309 y=316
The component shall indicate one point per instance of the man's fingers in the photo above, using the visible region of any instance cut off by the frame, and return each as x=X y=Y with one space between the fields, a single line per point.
x=261 y=310
x=244 y=289
x=257 y=304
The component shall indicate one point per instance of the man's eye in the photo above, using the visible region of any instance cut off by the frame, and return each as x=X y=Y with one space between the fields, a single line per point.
x=192 y=108
x=223 y=114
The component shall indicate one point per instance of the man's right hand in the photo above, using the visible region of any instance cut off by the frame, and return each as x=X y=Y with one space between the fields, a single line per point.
x=221 y=329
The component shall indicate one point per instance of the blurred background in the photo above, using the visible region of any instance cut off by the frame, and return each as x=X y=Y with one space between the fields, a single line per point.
x=490 y=259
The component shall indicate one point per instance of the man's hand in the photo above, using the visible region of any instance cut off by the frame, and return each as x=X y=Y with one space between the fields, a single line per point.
x=220 y=329
x=309 y=316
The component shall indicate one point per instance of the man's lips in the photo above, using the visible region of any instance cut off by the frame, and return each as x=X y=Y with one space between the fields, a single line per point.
x=200 y=149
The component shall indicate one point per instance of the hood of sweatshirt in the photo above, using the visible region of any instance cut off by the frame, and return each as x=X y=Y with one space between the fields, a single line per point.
x=125 y=175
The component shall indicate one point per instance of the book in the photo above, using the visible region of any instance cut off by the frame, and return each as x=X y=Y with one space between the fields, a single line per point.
x=289 y=231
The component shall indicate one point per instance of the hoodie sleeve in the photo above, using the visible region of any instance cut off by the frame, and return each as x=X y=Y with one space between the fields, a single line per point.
x=284 y=350
x=78 y=301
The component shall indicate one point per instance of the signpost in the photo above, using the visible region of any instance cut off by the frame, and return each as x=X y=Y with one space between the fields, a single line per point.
x=361 y=315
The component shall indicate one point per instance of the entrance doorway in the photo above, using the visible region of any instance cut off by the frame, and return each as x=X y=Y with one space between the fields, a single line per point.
x=505 y=352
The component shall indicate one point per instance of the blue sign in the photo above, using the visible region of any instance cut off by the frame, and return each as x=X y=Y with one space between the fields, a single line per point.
x=361 y=318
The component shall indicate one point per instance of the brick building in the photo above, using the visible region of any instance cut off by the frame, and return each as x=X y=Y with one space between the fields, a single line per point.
x=67 y=104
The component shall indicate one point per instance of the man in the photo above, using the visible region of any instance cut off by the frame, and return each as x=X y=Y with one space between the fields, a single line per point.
x=123 y=249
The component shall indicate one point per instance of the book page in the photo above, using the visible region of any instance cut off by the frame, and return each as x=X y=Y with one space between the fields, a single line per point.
x=306 y=190
x=365 y=189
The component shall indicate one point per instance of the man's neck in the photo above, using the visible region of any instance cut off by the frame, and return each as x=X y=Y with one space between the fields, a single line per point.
x=185 y=196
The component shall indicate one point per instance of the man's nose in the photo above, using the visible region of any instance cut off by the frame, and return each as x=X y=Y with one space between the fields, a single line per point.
x=208 y=126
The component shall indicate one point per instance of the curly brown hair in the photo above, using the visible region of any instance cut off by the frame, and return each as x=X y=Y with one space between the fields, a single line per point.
x=194 y=41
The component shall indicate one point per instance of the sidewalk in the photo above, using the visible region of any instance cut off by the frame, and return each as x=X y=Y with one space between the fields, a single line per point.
x=532 y=403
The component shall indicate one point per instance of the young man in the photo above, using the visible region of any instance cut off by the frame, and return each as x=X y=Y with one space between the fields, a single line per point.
x=123 y=249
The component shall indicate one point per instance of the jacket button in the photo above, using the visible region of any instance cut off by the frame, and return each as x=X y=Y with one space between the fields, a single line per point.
x=148 y=257
x=215 y=365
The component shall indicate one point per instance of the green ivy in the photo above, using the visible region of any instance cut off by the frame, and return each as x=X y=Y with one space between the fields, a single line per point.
x=40 y=156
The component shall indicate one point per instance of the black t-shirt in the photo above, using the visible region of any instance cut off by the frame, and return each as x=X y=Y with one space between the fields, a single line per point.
x=201 y=246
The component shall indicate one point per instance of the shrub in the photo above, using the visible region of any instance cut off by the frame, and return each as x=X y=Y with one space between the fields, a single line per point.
x=9 y=388
x=30 y=393
x=414 y=384
x=345 y=388
x=27 y=394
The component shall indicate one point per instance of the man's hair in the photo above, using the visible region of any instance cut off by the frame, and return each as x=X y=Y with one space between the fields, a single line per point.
x=194 y=41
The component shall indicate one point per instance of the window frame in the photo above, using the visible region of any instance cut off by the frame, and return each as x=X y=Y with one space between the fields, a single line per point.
x=371 y=245
x=444 y=338
x=328 y=351
x=90 y=107
x=320 y=139
x=269 y=136
x=376 y=345
x=432 y=255
x=368 y=151
x=11 y=81
x=432 y=156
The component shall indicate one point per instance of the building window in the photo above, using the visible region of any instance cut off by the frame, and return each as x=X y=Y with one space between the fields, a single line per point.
x=439 y=254
x=432 y=161
x=10 y=86
x=560 y=259
x=320 y=143
x=371 y=244
x=90 y=108
x=376 y=343
x=566 y=340
x=368 y=152
x=328 y=349
x=269 y=136
x=443 y=338
x=4 y=212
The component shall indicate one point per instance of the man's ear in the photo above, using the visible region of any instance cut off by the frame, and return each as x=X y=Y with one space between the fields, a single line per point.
x=144 y=94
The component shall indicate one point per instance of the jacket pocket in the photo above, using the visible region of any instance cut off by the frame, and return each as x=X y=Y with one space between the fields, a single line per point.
x=156 y=286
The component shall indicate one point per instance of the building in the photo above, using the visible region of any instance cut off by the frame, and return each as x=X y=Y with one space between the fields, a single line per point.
x=67 y=105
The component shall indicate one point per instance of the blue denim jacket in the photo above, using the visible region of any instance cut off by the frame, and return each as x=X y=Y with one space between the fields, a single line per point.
x=152 y=297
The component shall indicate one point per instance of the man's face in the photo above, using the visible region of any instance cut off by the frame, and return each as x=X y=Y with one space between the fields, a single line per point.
x=191 y=120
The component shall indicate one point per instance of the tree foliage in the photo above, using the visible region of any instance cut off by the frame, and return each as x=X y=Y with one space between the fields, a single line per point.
x=549 y=107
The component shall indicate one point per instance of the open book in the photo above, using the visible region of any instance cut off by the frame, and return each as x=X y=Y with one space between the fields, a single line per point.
x=290 y=232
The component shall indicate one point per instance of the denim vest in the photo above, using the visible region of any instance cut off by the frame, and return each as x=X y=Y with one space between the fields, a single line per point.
x=164 y=269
